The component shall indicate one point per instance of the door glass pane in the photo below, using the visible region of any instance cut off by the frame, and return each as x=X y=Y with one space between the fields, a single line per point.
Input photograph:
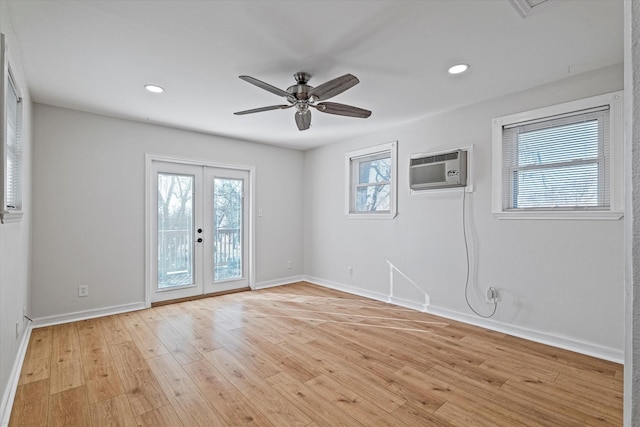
x=227 y=229
x=175 y=230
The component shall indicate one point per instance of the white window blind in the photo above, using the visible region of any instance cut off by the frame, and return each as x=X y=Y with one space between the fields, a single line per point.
x=11 y=141
x=13 y=173
x=558 y=163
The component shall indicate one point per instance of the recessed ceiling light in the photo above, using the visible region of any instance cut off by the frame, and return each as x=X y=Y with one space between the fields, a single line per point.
x=458 y=68
x=154 y=88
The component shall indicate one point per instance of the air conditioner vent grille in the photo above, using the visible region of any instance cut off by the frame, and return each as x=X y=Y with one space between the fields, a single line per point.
x=434 y=159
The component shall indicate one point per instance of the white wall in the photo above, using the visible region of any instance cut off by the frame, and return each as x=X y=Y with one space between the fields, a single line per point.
x=88 y=186
x=15 y=238
x=559 y=281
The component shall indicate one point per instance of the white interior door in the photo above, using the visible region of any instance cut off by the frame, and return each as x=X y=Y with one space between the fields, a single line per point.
x=199 y=230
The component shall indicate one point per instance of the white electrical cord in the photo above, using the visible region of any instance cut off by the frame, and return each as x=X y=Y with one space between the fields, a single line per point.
x=466 y=248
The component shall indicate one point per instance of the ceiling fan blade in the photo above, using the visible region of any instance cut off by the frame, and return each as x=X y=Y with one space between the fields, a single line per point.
x=265 y=86
x=334 y=87
x=258 y=110
x=303 y=120
x=342 y=110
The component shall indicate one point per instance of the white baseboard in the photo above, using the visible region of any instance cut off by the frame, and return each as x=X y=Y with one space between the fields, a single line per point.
x=567 y=343
x=413 y=305
x=346 y=288
x=278 y=282
x=10 y=392
x=87 y=314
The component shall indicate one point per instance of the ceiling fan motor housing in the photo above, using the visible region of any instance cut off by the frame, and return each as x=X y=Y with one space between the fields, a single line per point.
x=301 y=90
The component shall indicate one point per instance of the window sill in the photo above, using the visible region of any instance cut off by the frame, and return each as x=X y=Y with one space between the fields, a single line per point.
x=569 y=215
x=10 y=216
x=371 y=216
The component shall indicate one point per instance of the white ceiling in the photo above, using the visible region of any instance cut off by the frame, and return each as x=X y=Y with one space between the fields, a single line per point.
x=97 y=55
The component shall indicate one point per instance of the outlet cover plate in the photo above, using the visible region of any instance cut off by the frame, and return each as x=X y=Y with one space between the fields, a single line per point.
x=83 y=290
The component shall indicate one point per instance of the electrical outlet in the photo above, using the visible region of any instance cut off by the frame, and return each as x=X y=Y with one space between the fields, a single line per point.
x=83 y=290
x=492 y=294
x=349 y=271
x=288 y=264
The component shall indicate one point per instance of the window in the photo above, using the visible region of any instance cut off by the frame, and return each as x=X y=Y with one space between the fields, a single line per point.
x=11 y=125
x=371 y=182
x=560 y=162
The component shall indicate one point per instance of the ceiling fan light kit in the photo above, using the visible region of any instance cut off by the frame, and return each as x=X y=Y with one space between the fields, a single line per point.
x=303 y=97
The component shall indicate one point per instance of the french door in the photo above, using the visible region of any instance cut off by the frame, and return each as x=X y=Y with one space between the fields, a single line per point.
x=199 y=229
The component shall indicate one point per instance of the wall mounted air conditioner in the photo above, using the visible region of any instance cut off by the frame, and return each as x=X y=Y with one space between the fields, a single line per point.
x=443 y=170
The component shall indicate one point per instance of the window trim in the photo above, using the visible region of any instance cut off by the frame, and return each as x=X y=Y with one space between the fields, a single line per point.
x=392 y=148
x=616 y=147
x=7 y=79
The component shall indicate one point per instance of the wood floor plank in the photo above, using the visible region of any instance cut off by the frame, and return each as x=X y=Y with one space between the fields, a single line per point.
x=190 y=405
x=37 y=361
x=565 y=357
x=606 y=389
x=30 y=405
x=113 y=330
x=310 y=402
x=66 y=363
x=354 y=377
x=100 y=373
x=146 y=341
x=619 y=376
x=303 y=355
x=164 y=416
x=573 y=406
x=544 y=357
x=69 y=408
x=461 y=415
x=395 y=349
x=279 y=357
x=484 y=397
x=249 y=356
x=352 y=403
x=224 y=396
x=417 y=412
x=112 y=412
x=178 y=345
x=141 y=386
x=255 y=389
x=190 y=323
x=194 y=325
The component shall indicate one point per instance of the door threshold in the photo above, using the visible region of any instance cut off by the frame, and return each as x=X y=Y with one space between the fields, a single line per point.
x=197 y=297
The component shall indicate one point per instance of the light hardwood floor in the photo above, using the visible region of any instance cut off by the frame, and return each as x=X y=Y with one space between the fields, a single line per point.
x=303 y=355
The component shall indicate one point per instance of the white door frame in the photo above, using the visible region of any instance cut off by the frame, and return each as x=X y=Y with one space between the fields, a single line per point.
x=151 y=209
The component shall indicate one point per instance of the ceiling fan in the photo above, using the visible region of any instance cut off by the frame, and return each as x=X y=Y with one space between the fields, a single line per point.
x=303 y=97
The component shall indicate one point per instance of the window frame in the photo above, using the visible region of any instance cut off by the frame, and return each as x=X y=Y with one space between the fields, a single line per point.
x=353 y=158
x=7 y=81
x=614 y=101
